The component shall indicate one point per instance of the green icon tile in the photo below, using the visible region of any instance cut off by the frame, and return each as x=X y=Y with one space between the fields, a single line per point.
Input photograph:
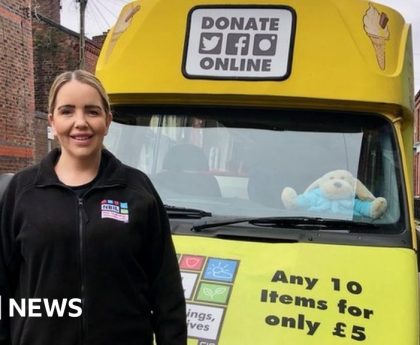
x=214 y=293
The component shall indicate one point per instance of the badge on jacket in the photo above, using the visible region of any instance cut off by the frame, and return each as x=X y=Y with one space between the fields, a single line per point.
x=115 y=210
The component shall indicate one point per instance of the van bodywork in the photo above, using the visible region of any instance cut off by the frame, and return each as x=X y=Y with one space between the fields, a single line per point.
x=224 y=106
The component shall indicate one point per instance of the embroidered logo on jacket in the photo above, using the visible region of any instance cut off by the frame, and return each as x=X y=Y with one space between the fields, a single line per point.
x=115 y=210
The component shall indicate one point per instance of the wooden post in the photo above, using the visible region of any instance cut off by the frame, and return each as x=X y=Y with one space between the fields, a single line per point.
x=83 y=4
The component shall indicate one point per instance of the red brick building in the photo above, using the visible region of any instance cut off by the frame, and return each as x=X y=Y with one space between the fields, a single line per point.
x=17 y=102
x=35 y=48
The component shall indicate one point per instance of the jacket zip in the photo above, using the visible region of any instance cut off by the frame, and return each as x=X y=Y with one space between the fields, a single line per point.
x=82 y=271
x=82 y=218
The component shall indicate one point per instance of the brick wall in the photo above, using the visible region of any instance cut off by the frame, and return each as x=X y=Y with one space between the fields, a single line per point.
x=34 y=49
x=47 y=8
x=16 y=86
x=100 y=39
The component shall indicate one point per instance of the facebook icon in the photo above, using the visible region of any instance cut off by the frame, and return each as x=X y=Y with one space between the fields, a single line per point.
x=237 y=44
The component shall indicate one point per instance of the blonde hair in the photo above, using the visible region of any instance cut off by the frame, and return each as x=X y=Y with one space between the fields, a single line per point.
x=83 y=77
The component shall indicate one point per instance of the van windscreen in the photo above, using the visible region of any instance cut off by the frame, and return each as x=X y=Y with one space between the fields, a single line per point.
x=266 y=162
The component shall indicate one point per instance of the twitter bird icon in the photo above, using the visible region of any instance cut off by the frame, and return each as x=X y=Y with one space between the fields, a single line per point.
x=210 y=43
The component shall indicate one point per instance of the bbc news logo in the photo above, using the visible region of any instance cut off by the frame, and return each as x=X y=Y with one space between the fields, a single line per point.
x=43 y=307
x=239 y=42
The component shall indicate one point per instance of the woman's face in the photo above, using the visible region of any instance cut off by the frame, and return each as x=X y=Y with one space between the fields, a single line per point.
x=79 y=120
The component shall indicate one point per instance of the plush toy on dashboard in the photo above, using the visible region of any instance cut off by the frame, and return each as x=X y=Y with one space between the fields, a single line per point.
x=337 y=192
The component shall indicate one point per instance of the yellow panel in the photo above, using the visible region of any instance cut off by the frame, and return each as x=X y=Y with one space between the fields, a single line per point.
x=334 y=55
x=252 y=293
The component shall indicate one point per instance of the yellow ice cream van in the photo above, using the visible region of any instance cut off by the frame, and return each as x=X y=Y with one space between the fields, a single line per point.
x=278 y=134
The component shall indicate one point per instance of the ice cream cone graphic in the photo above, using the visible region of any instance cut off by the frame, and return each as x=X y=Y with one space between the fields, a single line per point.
x=376 y=27
x=123 y=22
x=379 y=46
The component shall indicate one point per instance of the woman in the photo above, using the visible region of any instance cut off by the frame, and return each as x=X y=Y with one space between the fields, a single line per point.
x=85 y=239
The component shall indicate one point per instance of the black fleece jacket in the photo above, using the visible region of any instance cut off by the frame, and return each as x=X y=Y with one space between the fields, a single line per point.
x=111 y=250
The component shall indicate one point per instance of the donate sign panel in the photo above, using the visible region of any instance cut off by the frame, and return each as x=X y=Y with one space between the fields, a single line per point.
x=239 y=43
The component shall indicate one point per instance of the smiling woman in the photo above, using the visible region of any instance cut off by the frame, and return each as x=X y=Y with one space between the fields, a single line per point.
x=80 y=118
x=110 y=248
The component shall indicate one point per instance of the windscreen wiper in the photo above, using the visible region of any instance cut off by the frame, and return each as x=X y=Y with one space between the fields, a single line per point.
x=303 y=223
x=185 y=212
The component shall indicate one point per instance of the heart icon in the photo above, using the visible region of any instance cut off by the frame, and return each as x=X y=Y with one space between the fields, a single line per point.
x=192 y=262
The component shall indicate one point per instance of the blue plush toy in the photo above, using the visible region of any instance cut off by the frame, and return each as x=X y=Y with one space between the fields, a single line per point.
x=337 y=192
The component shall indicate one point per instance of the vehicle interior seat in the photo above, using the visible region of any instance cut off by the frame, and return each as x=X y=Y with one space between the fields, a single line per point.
x=265 y=187
x=185 y=170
